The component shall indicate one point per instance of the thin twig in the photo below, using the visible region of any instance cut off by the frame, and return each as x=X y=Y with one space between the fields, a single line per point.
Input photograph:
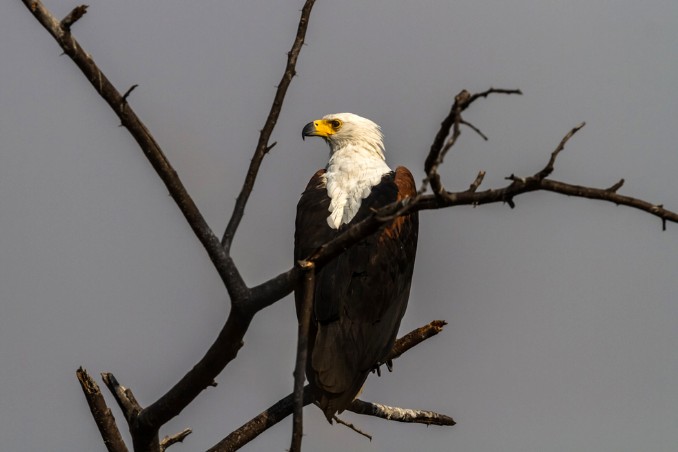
x=123 y=396
x=414 y=338
x=616 y=186
x=73 y=17
x=487 y=92
x=128 y=92
x=548 y=169
x=475 y=129
x=434 y=158
x=476 y=183
x=352 y=427
x=167 y=441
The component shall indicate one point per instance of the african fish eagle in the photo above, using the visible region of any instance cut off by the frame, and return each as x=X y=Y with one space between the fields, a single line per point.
x=360 y=297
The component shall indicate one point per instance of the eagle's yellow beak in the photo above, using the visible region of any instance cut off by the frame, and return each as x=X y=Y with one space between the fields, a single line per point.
x=317 y=128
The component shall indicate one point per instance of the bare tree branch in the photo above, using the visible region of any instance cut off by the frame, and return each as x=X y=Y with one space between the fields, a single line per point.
x=223 y=350
x=438 y=148
x=391 y=413
x=256 y=426
x=548 y=169
x=271 y=120
x=167 y=441
x=414 y=338
x=123 y=396
x=143 y=439
x=476 y=183
x=283 y=408
x=101 y=413
x=352 y=427
x=221 y=260
x=475 y=129
x=73 y=17
x=302 y=351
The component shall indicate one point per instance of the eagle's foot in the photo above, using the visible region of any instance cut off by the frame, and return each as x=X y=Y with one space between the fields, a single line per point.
x=377 y=368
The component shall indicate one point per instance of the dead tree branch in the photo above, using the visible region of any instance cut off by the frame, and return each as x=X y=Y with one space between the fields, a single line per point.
x=128 y=118
x=167 y=441
x=302 y=352
x=101 y=413
x=146 y=422
x=123 y=396
x=441 y=145
x=271 y=120
x=400 y=414
x=73 y=17
x=414 y=338
x=283 y=408
x=352 y=427
x=256 y=426
x=143 y=439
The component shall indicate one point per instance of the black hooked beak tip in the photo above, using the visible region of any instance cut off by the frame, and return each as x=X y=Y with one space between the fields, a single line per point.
x=309 y=130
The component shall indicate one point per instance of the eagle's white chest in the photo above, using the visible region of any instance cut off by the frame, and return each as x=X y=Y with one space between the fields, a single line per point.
x=350 y=176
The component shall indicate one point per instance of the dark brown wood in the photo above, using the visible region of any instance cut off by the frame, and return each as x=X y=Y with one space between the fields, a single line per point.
x=222 y=351
x=256 y=426
x=302 y=355
x=167 y=441
x=73 y=17
x=284 y=407
x=414 y=338
x=265 y=134
x=128 y=118
x=102 y=415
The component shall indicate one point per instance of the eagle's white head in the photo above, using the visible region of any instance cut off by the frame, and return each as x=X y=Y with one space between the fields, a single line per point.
x=340 y=130
x=356 y=164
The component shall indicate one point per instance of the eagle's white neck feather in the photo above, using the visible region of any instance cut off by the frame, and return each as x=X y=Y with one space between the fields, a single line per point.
x=356 y=165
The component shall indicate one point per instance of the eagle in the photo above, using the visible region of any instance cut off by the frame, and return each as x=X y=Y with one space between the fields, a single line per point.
x=360 y=297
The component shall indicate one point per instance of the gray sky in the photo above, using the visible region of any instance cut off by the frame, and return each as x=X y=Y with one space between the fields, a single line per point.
x=563 y=318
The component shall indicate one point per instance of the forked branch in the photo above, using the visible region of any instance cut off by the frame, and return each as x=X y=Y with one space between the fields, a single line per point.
x=146 y=422
x=128 y=118
x=101 y=413
x=306 y=310
x=283 y=408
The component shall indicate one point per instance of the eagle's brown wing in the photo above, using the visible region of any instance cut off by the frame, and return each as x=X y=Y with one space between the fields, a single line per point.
x=361 y=296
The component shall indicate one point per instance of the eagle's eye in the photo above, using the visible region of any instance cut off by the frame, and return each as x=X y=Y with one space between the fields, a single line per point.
x=335 y=124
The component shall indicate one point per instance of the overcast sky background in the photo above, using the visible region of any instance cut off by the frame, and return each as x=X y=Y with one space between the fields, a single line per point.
x=563 y=315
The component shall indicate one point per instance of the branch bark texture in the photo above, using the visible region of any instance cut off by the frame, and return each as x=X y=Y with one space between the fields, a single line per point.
x=284 y=407
x=102 y=415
